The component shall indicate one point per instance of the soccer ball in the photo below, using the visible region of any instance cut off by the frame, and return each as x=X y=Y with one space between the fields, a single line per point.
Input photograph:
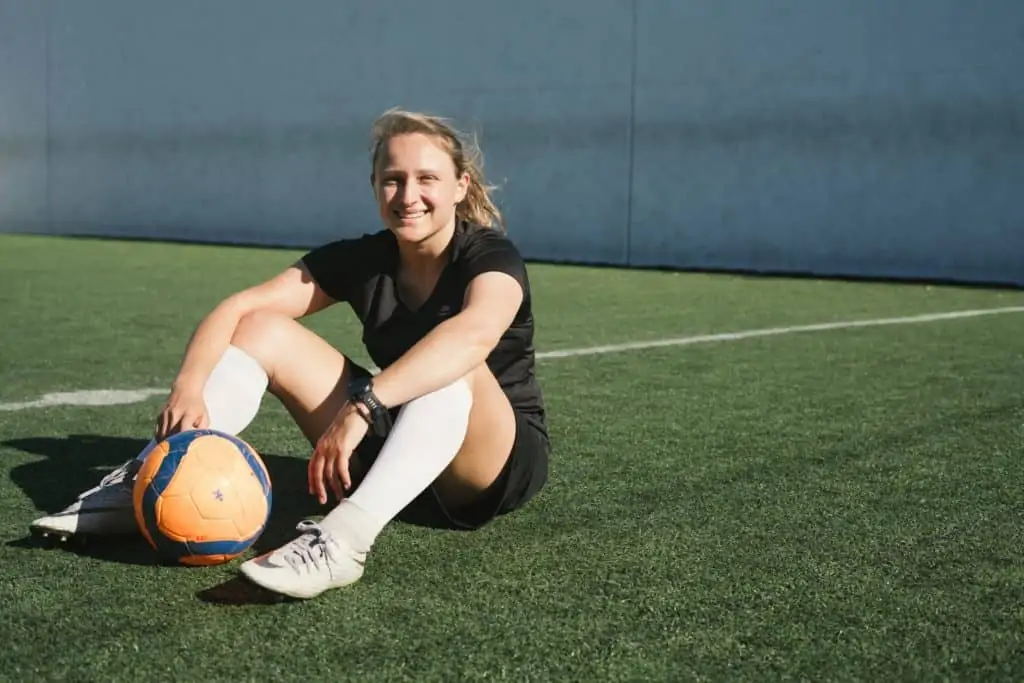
x=202 y=497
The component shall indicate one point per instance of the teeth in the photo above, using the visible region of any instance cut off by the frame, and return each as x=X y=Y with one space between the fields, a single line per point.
x=414 y=215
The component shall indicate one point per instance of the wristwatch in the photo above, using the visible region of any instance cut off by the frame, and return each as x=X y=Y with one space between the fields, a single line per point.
x=360 y=390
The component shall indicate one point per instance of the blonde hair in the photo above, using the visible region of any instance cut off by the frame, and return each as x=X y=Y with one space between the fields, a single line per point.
x=477 y=207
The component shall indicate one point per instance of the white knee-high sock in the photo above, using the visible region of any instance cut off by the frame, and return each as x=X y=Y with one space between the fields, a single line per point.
x=234 y=391
x=232 y=394
x=425 y=438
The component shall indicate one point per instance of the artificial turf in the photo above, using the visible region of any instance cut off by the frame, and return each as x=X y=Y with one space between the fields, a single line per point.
x=830 y=505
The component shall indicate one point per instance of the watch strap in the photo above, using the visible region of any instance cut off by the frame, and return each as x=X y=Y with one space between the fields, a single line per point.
x=361 y=391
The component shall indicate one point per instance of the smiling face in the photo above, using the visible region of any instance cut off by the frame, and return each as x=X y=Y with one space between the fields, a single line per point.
x=417 y=187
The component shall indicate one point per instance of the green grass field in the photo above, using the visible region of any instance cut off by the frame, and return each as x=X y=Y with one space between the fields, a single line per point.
x=829 y=505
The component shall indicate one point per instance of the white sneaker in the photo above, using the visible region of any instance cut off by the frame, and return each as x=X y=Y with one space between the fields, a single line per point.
x=314 y=562
x=104 y=510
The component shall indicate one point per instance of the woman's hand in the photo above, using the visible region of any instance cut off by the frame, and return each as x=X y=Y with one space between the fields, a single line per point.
x=185 y=409
x=329 y=464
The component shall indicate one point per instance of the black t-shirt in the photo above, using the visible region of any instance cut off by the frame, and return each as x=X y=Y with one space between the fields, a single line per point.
x=362 y=271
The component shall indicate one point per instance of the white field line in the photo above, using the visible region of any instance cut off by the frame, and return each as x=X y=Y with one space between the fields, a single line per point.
x=774 y=331
x=95 y=397
x=106 y=397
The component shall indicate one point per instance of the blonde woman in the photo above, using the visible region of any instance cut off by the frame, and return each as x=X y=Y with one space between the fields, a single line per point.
x=452 y=431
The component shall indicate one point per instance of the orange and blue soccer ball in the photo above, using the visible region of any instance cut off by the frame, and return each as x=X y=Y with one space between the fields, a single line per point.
x=202 y=497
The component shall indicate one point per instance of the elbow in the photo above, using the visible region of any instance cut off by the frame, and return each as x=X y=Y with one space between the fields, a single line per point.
x=479 y=342
x=471 y=337
x=479 y=353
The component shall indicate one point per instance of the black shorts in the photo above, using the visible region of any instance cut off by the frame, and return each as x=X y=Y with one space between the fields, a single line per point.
x=524 y=474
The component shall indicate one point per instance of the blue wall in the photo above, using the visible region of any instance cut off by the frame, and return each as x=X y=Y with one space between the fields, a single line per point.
x=851 y=137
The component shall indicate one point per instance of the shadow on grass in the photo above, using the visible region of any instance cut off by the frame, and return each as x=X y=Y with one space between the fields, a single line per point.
x=78 y=461
x=240 y=591
x=117 y=549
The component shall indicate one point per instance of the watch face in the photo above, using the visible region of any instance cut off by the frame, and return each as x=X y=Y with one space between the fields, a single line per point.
x=358 y=386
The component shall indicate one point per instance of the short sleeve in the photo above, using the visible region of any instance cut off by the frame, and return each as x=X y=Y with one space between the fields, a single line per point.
x=340 y=267
x=487 y=250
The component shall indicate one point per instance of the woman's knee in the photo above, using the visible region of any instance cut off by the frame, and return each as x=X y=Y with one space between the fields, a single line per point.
x=261 y=334
x=458 y=393
x=295 y=358
x=484 y=388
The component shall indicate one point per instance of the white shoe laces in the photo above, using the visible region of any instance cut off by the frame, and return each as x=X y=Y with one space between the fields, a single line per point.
x=312 y=550
x=117 y=476
x=115 y=481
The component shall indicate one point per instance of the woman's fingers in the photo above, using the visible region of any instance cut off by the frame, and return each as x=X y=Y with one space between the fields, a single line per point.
x=345 y=476
x=317 y=464
x=330 y=477
x=310 y=475
x=169 y=419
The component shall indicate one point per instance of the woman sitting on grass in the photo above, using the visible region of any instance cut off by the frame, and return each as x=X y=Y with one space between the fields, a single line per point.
x=452 y=430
